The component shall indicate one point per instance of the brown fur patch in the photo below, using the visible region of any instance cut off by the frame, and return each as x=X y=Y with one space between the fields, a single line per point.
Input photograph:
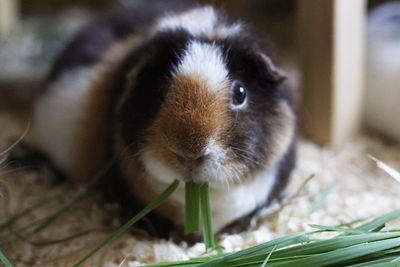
x=190 y=116
x=93 y=132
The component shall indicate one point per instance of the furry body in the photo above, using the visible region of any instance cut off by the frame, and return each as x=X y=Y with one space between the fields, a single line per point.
x=154 y=88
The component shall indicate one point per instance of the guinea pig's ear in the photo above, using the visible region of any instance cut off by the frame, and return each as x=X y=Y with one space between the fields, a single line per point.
x=276 y=74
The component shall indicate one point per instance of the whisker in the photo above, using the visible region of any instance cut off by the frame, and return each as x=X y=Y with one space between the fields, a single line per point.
x=240 y=154
x=14 y=170
x=13 y=145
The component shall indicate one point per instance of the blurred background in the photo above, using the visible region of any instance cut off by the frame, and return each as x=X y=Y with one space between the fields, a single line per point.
x=32 y=32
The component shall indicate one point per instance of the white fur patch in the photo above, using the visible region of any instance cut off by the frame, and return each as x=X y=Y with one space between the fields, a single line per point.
x=165 y=174
x=235 y=202
x=57 y=114
x=201 y=21
x=215 y=168
x=158 y=170
x=190 y=21
x=204 y=61
x=229 y=201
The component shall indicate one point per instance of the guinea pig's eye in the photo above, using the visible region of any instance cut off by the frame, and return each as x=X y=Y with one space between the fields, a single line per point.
x=239 y=94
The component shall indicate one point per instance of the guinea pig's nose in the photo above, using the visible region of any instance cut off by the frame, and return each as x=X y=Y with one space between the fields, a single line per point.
x=192 y=160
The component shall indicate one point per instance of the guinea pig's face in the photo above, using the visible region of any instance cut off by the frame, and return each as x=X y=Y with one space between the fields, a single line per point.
x=205 y=110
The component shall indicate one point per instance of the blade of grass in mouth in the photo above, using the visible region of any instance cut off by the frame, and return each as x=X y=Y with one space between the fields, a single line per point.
x=192 y=208
x=208 y=233
x=197 y=207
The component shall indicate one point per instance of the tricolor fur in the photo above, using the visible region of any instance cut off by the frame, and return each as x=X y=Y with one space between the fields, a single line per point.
x=158 y=96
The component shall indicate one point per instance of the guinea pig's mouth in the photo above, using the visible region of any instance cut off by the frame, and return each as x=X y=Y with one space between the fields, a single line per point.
x=208 y=169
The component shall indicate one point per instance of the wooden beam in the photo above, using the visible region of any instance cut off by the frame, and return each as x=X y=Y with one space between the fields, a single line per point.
x=8 y=15
x=331 y=49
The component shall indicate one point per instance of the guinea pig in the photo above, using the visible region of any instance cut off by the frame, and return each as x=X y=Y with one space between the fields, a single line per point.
x=186 y=94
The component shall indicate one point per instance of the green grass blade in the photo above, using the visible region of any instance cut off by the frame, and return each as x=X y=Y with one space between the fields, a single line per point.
x=192 y=208
x=191 y=262
x=362 y=248
x=380 y=221
x=268 y=246
x=267 y=258
x=397 y=259
x=241 y=256
x=259 y=260
x=382 y=264
x=4 y=259
x=175 y=264
x=348 y=224
x=381 y=260
x=86 y=190
x=339 y=256
x=370 y=248
x=150 y=207
x=208 y=233
x=323 y=246
x=336 y=229
x=317 y=247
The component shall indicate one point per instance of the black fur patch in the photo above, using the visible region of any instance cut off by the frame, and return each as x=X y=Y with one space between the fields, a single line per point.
x=253 y=136
x=286 y=165
x=151 y=85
